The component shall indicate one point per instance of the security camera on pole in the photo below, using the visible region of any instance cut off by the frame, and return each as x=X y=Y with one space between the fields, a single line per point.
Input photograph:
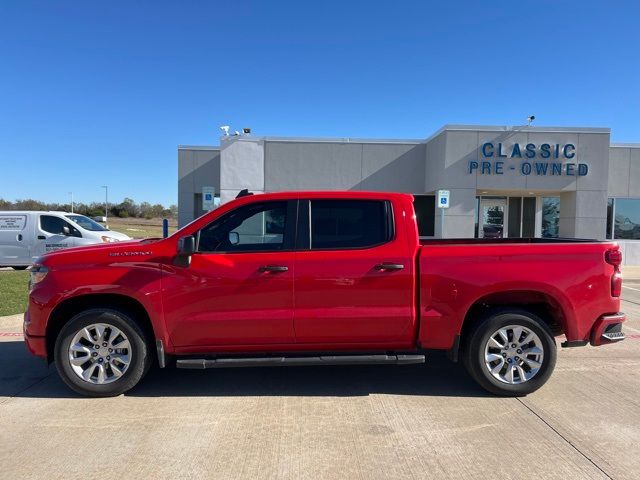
x=443 y=202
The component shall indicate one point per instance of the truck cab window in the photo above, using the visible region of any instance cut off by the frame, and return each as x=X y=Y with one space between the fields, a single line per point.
x=56 y=226
x=252 y=228
x=340 y=224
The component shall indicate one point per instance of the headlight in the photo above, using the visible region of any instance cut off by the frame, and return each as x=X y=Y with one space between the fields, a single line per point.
x=38 y=273
x=108 y=239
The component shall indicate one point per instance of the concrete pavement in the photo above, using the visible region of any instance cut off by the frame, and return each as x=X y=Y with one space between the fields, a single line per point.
x=426 y=421
x=631 y=273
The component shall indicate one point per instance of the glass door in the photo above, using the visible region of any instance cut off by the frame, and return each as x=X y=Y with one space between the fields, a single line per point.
x=493 y=218
x=550 y=217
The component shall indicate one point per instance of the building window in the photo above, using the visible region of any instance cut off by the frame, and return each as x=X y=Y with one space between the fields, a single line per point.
x=493 y=217
x=490 y=217
x=550 y=217
x=425 y=207
x=476 y=212
x=609 y=218
x=626 y=222
x=529 y=217
x=515 y=217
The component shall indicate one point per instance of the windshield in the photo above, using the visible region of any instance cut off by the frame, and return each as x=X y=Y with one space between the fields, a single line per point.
x=86 y=223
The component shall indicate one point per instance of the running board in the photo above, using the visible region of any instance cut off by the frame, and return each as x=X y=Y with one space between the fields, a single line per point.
x=202 y=363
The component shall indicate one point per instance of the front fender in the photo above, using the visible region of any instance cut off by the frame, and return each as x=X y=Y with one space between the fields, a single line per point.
x=137 y=281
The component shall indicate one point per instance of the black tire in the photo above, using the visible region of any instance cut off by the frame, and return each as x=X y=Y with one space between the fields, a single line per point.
x=141 y=357
x=473 y=354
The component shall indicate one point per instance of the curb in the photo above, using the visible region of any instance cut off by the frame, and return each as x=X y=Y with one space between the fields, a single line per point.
x=12 y=321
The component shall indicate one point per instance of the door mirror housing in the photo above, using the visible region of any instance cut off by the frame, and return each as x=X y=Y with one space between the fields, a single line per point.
x=65 y=231
x=186 y=248
x=234 y=238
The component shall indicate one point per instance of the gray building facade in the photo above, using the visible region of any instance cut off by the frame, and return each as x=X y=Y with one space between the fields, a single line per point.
x=503 y=181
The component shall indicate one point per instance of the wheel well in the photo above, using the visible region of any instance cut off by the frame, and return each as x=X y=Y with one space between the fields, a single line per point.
x=72 y=306
x=538 y=303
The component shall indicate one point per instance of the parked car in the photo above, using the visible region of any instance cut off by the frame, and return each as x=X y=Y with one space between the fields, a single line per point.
x=492 y=231
x=27 y=235
x=314 y=279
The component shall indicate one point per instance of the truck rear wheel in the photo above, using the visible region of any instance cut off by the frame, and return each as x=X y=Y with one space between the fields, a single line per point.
x=511 y=352
x=101 y=353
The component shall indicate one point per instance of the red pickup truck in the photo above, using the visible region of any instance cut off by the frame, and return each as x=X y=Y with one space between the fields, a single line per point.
x=313 y=278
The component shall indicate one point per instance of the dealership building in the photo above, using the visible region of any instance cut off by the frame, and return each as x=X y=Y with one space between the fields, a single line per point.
x=522 y=181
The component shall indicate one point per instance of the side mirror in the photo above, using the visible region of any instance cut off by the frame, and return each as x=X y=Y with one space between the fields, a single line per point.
x=234 y=238
x=65 y=231
x=186 y=248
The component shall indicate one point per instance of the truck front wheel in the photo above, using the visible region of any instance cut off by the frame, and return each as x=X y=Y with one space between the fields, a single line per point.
x=510 y=352
x=101 y=353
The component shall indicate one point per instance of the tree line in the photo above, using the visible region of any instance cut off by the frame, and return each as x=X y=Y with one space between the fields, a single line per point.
x=125 y=209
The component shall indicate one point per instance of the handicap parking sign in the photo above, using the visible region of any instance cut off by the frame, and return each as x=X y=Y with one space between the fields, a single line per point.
x=443 y=198
x=208 y=198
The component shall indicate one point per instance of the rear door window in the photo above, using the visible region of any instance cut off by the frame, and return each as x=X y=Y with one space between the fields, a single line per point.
x=344 y=224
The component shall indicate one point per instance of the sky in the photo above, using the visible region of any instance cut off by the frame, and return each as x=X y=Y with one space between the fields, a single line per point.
x=102 y=93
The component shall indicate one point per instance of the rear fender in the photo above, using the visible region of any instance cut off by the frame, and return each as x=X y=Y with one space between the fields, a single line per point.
x=443 y=322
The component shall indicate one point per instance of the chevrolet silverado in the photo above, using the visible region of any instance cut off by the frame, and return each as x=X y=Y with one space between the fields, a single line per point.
x=317 y=278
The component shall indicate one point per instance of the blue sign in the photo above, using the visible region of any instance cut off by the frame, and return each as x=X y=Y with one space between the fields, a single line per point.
x=443 y=198
x=208 y=198
x=544 y=159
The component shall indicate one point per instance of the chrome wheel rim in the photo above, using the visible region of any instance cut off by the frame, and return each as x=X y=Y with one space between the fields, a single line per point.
x=513 y=354
x=100 y=353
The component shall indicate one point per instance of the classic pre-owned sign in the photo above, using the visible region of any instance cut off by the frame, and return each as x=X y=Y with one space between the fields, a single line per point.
x=497 y=158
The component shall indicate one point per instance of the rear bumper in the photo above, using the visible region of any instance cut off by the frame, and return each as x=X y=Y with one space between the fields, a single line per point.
x=607 y=329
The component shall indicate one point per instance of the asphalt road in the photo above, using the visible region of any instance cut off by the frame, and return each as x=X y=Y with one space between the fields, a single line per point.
x=428 y=421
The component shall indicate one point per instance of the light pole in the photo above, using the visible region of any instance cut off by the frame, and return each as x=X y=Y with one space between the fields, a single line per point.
x=71 y=193
x=106 y=204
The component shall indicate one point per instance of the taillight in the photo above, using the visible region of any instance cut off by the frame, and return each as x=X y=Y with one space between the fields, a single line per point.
x=614 y=257
x=616 y=284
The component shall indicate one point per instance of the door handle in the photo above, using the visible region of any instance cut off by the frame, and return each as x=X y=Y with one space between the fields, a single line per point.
x=389 y=266
x=41 y=237
x=273 y=268
x=19 y=237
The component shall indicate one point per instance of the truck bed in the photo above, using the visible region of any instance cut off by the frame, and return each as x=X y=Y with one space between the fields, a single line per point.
x=566 y=279
x=502 y=241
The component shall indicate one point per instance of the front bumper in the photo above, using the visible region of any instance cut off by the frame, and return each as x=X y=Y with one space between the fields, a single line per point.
x=36 y=345
x=607 y=329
